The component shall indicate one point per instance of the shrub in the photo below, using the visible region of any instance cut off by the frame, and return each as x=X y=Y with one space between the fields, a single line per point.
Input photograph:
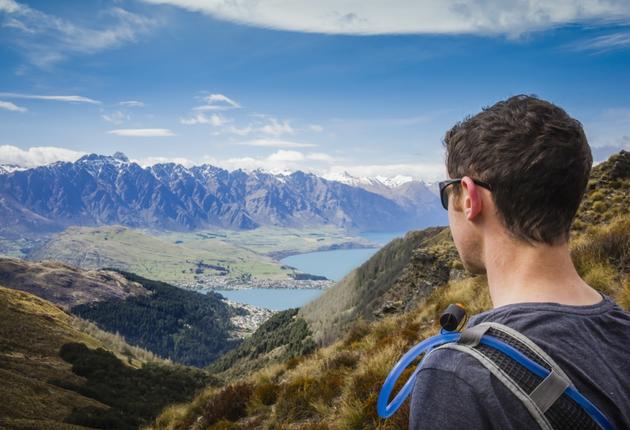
x=599 y=207
x=266 y=393
x=342 y=359
x=357 y=331
x=229 y=403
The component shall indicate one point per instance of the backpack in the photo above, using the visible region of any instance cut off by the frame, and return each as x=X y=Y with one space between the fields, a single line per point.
x=515 y=360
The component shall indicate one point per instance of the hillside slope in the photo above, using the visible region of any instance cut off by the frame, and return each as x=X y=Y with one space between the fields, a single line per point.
x=131 y=250
x=43 y=388
x=184 y=326
x=393 y=280
x=66 y=285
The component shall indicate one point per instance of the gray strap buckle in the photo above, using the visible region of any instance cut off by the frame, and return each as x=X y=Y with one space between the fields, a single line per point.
x=472 y=336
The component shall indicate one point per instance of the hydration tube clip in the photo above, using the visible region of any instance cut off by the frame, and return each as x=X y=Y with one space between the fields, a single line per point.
x=453 y=318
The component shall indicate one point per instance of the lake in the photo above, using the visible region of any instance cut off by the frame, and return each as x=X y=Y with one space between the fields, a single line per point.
x=276 y=299
x=334 y=264
x=338 y=263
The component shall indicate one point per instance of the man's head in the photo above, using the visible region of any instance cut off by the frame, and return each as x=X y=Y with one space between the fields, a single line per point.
x=537 y=161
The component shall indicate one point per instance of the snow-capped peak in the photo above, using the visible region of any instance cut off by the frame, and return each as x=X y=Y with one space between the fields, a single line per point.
x=346 y=178
x=394 y=182
x=8 y=168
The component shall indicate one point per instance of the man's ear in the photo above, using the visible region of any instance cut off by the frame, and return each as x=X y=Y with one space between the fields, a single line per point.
x=472 y=198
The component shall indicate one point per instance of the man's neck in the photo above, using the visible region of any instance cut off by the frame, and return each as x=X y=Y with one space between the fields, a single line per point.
x=520 y=273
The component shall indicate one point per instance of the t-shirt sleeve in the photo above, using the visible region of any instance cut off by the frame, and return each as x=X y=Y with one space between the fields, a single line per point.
x=442 y=400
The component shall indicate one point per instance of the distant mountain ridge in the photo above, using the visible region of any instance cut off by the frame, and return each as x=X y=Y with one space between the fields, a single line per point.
x=103 y=190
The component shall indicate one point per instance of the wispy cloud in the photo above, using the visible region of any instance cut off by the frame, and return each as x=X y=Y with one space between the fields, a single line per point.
x=215 y=120
x=142 y=132
x=47 y=39
x=131 y=103
x=71 y=99
x=267 y=126
x=275 y=143
x=116 y=117
x=511 y=17
x=37 y=155
x=217 y=102
x=12 y=107
x=602 y=44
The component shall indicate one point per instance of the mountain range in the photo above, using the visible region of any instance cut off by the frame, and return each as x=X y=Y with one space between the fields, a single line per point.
x=103 y=190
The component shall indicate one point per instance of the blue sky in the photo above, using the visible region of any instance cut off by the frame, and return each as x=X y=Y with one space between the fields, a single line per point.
x=368 y=87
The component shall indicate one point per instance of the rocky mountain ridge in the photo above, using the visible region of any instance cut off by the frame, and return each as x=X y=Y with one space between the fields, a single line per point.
x=102 y=190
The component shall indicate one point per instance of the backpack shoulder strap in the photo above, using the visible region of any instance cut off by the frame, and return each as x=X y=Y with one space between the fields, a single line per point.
x=544 y=398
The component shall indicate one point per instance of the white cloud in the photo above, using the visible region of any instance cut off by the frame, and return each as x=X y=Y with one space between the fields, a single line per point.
x=511 y=17
x=276 y=143
x=12 y=107
x=215 y=120
x=150 y=161
x=425 y=171
x=131 y=103
x=279 y=161
x=142 y=132
x=9 y=6
x=46 y=39
x=285 y=155
x=316 y=128
x=36 y=156
x=217 y=102
x=70 y=99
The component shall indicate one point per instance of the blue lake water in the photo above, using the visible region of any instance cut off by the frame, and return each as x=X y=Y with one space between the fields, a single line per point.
x=334 y=264
x=276 y=299
x=337 y=263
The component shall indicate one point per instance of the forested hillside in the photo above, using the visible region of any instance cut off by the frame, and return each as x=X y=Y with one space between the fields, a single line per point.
x=181 y=325
x=184 y=326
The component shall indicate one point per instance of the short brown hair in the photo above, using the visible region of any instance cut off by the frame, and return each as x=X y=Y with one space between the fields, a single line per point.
x=534 y=155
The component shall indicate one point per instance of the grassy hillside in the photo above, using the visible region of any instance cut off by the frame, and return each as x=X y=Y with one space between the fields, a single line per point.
x=136 y=252
x=336 y=386
x=393 y=280
x=276 y=242
x=43 y=388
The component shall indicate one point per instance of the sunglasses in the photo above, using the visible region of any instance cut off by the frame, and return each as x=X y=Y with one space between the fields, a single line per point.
x=444 y=184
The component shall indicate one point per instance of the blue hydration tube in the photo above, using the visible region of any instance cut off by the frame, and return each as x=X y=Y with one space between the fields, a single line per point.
x=386 y=410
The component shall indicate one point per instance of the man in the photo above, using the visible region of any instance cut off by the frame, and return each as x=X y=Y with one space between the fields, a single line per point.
x=522 y=167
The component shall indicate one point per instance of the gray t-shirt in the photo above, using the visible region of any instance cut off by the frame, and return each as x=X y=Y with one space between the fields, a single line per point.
x=590 y=343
